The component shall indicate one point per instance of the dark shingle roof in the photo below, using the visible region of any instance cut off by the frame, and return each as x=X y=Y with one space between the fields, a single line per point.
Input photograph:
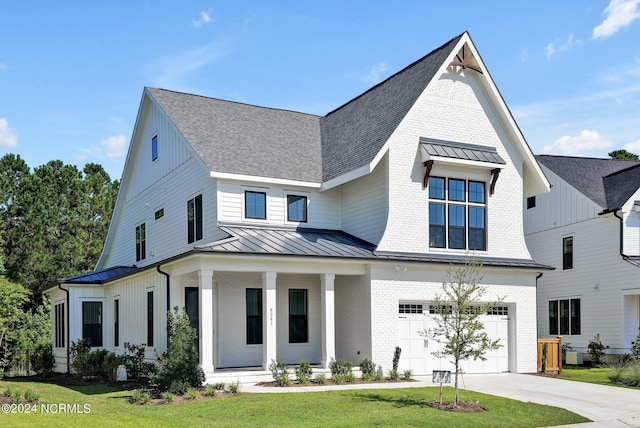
x=607 y=182
x=238 y=138
x=353 y=134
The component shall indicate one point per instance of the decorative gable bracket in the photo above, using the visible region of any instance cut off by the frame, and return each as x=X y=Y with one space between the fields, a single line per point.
x=494 y=178
x=465 y=59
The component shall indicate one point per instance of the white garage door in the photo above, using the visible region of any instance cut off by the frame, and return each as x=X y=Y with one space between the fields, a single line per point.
x=417 y=350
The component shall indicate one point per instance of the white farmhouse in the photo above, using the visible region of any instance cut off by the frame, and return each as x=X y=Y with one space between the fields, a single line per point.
x=292 y=236
x=588 y=228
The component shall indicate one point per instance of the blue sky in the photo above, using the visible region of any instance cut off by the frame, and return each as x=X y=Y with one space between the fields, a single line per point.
x=72 y=72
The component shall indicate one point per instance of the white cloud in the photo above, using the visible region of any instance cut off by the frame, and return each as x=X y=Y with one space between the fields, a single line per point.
x=619 y=14
x=203 y=18
x=375 y=73
x=7 y=138
x=558 y=45
x=114 y=147
x=632 y=147
x=579 y=145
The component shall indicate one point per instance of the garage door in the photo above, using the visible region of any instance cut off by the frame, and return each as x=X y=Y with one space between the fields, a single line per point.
x=417 y=350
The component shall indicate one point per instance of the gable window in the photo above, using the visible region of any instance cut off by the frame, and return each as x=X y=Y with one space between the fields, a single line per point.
x=254 y=316
x=564 y=317
x=567 y=252
x=92 y=323
x=255 y=205
x=59 y=325
x=141 y=242
x=297 y=208
x=194 y=219
x=531 y=202
x=149 y=318
x=116 y=322
x=298 y=319
x=154 y=148
x=457 y=214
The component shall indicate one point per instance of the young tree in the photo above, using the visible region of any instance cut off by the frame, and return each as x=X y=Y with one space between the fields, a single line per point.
x=457 y=321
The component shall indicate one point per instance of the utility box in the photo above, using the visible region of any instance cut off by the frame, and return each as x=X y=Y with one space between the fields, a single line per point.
x=574 y=358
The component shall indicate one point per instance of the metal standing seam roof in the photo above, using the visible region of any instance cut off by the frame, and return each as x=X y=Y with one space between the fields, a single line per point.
x=472 y=152
x=100 y=276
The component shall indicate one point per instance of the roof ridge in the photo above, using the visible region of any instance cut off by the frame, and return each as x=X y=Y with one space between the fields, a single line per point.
x=627 y=169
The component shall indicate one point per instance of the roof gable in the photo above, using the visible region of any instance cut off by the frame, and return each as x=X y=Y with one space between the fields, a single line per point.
x=607 y=182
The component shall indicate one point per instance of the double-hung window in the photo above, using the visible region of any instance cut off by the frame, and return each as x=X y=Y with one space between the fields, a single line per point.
x=298 y=316
x=141 y=242
x=457 y=214
x=254 y=316
x=92 y=323
x=194 y=219
x=564 y=317
x=255 y=205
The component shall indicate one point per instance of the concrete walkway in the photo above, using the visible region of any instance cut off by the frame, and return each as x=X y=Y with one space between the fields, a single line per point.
x=606 y=406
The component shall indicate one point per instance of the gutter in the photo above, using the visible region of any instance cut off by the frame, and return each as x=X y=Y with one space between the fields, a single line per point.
x=67 y=327
x=166 y=275
x=625 y=257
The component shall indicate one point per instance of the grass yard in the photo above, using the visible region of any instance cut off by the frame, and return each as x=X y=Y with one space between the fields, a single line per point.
x=375 y=407
x=597 y=375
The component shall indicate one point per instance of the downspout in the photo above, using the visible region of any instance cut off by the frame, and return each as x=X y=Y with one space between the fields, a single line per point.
x=622 y=254
x=67 y=327
x=166 y=275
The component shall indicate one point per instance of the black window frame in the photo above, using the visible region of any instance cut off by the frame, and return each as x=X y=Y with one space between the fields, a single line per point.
x=253 y=204
x=116 y=322
x=194 y=219
x=154 y=148
x=92 y=332
x=531 y=202
x=567 y=253
x=254 y=318
x=150 y=318
x=298 y=322
x=141 y=242
x=293 y=199
x=59 y=320
x=565 y=317
x=455 y=205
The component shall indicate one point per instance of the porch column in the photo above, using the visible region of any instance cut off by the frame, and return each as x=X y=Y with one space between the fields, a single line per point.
x=328 y=318
x=205 y=279
x=269 y=340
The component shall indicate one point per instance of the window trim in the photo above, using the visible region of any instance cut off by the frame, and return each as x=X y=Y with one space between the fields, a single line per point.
x=304 y=338
x=305 y=210
x=573 y=317
x=257 y=337
x=100 y=342
x=246 y=204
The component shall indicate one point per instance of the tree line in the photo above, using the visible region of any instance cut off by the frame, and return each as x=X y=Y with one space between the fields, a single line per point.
x=53 y=222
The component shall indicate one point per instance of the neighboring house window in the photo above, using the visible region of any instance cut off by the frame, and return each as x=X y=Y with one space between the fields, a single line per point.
x=92 y=323
x=154 y=148
x=59 y=323
x=149 y=318
x=254 y=316
x=457 y=214
x=531 y=202
x=298 y=319
x=255 y=205
x=116 y=322
x=194 y=219
x=297 y=208
x=141 y=242
x=567 y=252
x=564 y=317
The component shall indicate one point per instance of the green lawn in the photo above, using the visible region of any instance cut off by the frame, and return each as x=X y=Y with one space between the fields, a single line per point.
x=596 y=375
x=381 y=407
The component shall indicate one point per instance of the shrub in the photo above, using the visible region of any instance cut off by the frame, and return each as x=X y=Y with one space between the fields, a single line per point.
x=407 y=374
x=15 y=396
x=635 y=347
x=366 y=377
x=321 y=379
x=135 y=396
x=367 y=367
x=303 y=371
x=234 y=388
x=134 y=361
x=396 y=358
x=279 y=372
x=596 y=350
x=192 y=394
x=338 y=378
x=342 y=367
x=179 y=364
x=179 y=387
x=219 y=386
x=167 y=397
x=43 y=360
x=87 y=363
x=394 y=375
x=31 y=396
x=350 y=377
x=378 y=377
x=210 y=391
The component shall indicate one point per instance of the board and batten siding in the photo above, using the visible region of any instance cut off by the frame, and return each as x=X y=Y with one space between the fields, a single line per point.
x=322 y=207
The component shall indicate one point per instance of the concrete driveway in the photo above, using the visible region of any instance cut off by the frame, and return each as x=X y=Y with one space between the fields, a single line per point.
x=607 y=406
